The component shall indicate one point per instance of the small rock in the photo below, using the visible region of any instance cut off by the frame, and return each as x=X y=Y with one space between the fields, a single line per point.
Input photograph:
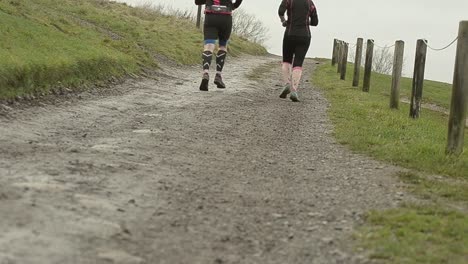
x=126 y=231
x=338 y=253
x=73 y=150
x=278 y=216
x=132 y=201
x=5 y=108
x=120 y=257
x=311 y=214
x=312 y=228
x=327 y=240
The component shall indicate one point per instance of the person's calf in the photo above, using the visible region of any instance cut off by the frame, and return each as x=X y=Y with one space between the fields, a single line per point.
x=286 y=71
x=296 y=78
x=220 y=60
x=207 y=57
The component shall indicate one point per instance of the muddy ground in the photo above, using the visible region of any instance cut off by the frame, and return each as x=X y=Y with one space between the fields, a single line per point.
x=159 y=172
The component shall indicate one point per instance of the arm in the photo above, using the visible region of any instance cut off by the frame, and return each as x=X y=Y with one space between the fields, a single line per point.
x=200 y=2
x=314 y=16
x=237 y=4
x=282 y=9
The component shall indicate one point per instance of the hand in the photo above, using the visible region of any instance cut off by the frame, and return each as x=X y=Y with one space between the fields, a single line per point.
x=284 y=22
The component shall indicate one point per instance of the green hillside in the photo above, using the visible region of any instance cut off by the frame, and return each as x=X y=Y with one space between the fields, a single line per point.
x=70 y=42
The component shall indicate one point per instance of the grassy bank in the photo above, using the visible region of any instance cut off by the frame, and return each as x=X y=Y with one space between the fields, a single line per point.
x=70 y=42
x=437 y=231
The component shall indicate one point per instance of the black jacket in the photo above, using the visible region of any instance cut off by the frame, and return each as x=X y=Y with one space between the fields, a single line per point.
x=301 y=15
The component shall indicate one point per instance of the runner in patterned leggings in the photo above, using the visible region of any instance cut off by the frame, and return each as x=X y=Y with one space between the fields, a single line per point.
x=217 y=26
x=296 y=41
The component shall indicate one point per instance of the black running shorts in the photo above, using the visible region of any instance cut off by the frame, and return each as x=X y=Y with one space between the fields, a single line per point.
x=217 y=27
x=295 y=49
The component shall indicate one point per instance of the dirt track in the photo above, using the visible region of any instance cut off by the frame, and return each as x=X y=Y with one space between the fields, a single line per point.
x=163 y=173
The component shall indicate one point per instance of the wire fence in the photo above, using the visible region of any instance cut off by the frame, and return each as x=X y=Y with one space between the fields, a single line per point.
x=395 y=60
x=441 y=49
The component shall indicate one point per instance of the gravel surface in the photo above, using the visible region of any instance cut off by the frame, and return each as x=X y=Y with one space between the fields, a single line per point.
x=159 y=172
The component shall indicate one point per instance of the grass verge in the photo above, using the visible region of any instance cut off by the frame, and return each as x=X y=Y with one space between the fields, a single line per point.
x=46 y=44
x=432 y=233
x=417 y=234
x=365 y=122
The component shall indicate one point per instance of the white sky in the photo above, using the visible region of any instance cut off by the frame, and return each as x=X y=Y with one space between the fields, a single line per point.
x=383 y=20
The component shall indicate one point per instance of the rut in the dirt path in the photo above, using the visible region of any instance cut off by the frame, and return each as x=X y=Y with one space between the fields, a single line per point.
x=167 y=174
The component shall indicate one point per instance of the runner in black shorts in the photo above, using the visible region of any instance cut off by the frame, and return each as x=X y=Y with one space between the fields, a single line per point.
x=296 y=41
x=218 y=26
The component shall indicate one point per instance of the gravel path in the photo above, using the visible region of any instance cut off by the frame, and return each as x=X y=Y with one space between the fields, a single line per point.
x=163 y=173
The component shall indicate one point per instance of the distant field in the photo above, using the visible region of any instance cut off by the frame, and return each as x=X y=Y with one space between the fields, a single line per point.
x=44 y=44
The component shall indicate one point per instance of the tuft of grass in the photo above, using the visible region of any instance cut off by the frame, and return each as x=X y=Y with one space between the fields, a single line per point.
x=456 y=191
x=365 y=122
x=45 y=44
x=417 y=234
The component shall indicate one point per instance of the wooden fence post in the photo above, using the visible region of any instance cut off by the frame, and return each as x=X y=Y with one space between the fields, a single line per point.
x=418 y=78
x=344 y=62
x=368 y=66
x=459 y=104
x=357 y=62
x=396 y=76
x=340 y=56
x=335 y=52
x=199 y=16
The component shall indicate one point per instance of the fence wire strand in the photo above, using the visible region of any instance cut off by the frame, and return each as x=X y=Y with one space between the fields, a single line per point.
x=384 y=47
x=444 y=48
x=388 y=47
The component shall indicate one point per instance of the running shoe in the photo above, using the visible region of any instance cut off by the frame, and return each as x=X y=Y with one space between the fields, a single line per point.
x=219 y=81
x=286 y=91
x=294 y=97
x=204 y=82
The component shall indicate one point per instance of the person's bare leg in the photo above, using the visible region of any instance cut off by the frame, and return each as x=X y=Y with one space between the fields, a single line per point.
x=286 y=70
x=296 y=79
x=220 y=60
x=207 y=57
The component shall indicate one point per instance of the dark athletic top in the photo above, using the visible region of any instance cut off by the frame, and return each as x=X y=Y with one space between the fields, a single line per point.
x=227 y=3
x=301 y=15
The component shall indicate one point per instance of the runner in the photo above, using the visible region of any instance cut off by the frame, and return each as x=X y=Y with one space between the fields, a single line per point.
x=217 y=26
x=296 y=41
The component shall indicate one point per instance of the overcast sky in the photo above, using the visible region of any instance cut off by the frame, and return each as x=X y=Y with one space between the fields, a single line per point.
x=383 y=20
